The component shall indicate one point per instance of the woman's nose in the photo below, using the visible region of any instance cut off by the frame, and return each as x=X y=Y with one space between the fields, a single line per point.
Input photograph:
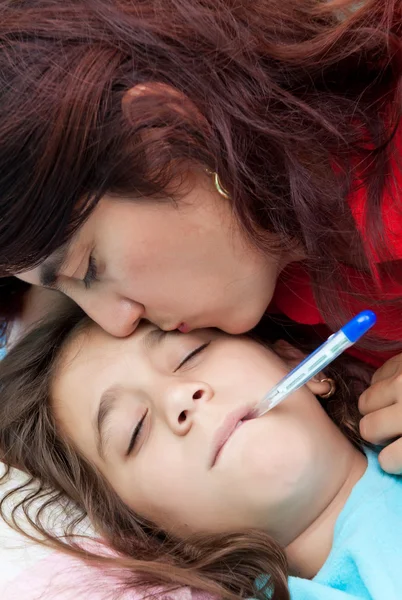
x=117 y=315
x=182 y=402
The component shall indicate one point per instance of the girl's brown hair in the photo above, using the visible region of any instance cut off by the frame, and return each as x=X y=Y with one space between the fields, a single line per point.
x=292 y=101
x=226 y=566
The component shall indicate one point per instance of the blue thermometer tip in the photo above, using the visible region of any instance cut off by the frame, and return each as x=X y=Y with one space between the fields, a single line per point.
x=359 y=325
x=310 y=366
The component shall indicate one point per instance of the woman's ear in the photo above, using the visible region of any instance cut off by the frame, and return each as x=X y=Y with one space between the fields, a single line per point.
x=292 y=356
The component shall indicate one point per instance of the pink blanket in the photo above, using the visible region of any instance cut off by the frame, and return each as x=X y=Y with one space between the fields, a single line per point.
x=61 y=577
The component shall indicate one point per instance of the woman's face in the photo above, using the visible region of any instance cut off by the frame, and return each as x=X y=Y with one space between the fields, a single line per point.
x=160 y=415
x=184 y=264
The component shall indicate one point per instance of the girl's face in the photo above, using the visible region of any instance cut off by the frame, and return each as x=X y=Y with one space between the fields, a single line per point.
x=186 y=264
x=160 y=415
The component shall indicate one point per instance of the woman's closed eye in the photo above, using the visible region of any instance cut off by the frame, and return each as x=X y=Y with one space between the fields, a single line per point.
x=91 y=274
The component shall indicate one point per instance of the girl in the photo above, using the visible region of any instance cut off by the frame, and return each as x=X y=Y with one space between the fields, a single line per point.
x=190 y=161
x=147 y=437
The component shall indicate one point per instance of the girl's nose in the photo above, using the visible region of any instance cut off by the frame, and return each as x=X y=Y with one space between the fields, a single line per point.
x=182 y=402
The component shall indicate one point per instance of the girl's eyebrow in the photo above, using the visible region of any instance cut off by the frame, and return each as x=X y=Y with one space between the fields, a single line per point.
x=107 y=402
x=155 y=336
x=110 y=396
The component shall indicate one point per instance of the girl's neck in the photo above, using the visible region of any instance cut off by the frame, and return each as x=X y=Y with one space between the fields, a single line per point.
x=309 y=551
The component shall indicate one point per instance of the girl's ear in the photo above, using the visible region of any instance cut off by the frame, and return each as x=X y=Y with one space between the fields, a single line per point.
x=292 y=356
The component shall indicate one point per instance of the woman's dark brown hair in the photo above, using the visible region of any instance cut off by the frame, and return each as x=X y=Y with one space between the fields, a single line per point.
x=226 y=566
x=292 y=101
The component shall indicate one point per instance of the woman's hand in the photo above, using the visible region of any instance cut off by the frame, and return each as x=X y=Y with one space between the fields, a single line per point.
x=381 y=407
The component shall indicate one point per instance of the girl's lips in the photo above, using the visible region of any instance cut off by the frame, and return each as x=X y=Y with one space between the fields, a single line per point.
x=225 y=431
x=184 y=328
x=216 y=458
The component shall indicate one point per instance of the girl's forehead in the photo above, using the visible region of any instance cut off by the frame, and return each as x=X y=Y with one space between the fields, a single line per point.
x=91 y=350
x=80 y=349
x=87 y=363
x=92 y=355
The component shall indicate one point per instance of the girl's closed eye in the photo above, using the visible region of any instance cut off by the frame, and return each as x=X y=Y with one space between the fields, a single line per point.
x=136 y=434
x=191 y=355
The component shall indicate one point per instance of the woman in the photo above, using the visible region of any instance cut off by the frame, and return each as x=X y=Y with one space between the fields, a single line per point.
x=190 y=162
x=146 y=436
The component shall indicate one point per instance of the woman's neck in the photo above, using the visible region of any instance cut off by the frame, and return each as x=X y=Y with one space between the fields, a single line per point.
x=309 y=551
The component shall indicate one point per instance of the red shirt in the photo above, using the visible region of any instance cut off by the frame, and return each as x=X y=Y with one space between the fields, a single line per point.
x=294 y=295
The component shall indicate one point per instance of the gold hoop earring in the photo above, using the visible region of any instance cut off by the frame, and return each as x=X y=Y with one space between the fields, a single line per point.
x=219 y=187
x=332 y=388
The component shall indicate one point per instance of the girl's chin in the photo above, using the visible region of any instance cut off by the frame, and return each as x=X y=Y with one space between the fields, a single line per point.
x=269 y=452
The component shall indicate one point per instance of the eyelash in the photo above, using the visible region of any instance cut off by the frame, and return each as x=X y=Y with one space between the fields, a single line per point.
x=91 y=274
x=136 y=434
x=191 y=355
x=138 y=427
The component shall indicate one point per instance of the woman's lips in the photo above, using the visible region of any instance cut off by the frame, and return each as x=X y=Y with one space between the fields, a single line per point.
x=184 y=328
x=232 y=422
